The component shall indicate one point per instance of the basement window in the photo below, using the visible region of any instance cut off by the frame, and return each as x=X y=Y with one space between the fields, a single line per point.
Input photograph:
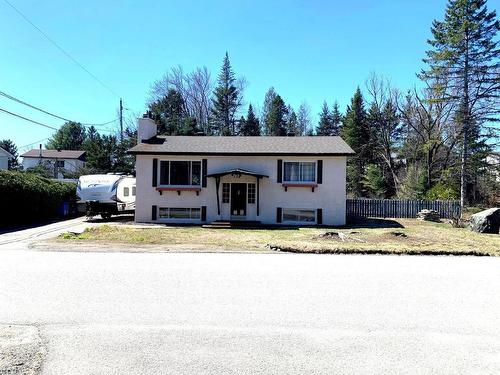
x=178 y=213
x=298 y=215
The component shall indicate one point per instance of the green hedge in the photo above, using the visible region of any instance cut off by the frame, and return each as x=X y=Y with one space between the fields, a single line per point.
x=28 y=198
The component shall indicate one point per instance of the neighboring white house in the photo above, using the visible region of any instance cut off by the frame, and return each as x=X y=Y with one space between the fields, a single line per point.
x=271 y=180
x=58 y=161
x=5 y=156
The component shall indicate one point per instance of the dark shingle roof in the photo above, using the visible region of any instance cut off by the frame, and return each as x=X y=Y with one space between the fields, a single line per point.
x=54 y=154
x=205 y=145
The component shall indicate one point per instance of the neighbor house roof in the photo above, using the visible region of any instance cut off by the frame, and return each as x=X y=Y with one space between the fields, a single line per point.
x=54 y=154
x=215 y=145
x=6 y=153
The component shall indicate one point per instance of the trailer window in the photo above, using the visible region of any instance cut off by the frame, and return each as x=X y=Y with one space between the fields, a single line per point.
x=126 y=191
x=133 y=191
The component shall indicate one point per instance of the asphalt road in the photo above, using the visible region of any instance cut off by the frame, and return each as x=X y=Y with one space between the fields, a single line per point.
x=123 y=313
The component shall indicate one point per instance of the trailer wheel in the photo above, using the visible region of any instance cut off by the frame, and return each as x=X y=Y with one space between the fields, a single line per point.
x=106 y=215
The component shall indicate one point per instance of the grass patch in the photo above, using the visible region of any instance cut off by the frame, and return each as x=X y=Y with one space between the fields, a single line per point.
x=401 y=236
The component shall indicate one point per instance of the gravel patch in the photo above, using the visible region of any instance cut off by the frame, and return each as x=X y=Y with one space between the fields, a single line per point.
x=21 y=350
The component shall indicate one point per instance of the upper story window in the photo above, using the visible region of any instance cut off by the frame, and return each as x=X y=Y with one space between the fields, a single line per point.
x=180 y=172
x=126 y=191
x=133 y=191
x=299 y=171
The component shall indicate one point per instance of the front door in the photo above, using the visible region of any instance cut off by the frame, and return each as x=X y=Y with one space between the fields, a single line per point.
x=238 y=200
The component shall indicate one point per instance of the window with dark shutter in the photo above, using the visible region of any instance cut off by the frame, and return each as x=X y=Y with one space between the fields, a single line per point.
x=153 y=213
x=204 y=173
x=203 y=213
x=155 y=172
x=278 y=214
x=279 y=172
x=319 y=179
x=319 y=216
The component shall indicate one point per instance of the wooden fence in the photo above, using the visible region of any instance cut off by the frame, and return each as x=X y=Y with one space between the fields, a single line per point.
x=400 y=208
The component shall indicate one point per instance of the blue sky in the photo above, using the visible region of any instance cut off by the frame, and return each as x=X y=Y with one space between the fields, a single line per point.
x=307 y=50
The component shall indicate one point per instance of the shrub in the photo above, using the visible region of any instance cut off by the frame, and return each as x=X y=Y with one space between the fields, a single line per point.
x=442 y=191
x=27 y=198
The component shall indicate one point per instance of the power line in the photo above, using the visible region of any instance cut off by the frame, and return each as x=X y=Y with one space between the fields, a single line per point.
x=32 y=106
x=8 y=96
x=27 y=119
x=61 y=49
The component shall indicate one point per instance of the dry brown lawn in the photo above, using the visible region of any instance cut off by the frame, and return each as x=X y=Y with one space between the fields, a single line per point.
x=399 y=236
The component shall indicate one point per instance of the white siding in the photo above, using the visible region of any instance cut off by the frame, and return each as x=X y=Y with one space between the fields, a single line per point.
x=71 y=165
x=330 y=196
x=4 y=162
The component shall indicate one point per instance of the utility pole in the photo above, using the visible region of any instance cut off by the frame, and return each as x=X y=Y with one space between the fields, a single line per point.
x=121 y=121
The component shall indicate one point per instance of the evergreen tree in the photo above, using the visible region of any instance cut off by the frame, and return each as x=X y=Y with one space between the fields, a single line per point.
x=325 y=121
x=292 y=127
x=465 y=54
x=250 y=126
x=225 y=101
x=336 y=119
x=70 y=136
x=11 y=148
x=267 y=107
x=277 y=117
x=356 y=133
x=169 y=113
x=304 y=120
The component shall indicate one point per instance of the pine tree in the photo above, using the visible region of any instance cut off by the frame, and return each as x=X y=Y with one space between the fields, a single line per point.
x=225 y=102
x=357 y=135
x=70 y=136
x=11 y=148
x=292 y=127
x=336 y=119
x=169 y=113
x=250 y=126
x=325 y=121
x=466 y=56
x=267 y=107
x=304 y=119
x=277 y=117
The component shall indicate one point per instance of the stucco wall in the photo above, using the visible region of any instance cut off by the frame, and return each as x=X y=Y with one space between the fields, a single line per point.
x=330 y=196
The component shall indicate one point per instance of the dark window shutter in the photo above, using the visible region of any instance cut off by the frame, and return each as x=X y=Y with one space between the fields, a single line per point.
x=155 y=172
x=319 y=216
x=204 y=173
x=203 y=213
x=319 y=178
x=153 y=213
x=278 y=214
x=279 y=173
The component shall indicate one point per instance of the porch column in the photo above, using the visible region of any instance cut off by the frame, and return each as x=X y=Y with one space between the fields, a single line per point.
x=258 y=196
x=217 y=184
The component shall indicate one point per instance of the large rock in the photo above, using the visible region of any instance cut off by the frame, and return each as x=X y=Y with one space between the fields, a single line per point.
x=487 y=221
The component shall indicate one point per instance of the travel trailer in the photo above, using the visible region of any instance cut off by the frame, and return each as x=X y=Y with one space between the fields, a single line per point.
x=107 y=194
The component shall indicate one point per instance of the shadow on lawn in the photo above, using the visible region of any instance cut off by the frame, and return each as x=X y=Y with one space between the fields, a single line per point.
x=372 y=223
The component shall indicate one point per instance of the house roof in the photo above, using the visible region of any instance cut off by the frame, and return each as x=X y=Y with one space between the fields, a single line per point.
x=6 y=153
x=54 y=154
x=215 y=145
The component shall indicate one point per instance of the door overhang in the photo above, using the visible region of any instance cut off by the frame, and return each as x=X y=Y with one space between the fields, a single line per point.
x=236 y=172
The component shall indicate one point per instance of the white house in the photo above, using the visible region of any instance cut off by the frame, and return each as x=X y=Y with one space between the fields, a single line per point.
x=59 y=161
x=271 y=180
x=5 y=156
